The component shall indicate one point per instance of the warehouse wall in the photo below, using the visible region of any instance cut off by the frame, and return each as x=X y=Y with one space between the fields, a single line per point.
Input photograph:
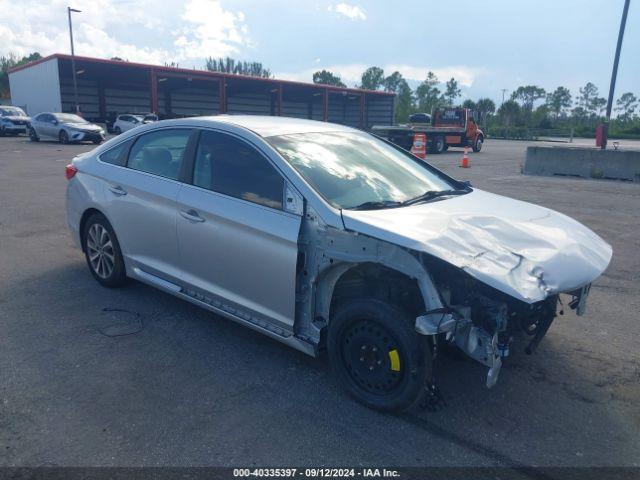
x=87 y=96
x=189 y=101
x=379 y=110
x=249 y=103
x=37 y=88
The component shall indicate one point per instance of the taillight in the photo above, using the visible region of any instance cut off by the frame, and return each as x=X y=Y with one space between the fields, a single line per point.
x=70 y=171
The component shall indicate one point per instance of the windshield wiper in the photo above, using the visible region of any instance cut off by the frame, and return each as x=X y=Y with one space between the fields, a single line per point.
x=431 y=194
x=376 y=205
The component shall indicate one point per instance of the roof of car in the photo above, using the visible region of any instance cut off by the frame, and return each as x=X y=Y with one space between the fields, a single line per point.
x=267 y=126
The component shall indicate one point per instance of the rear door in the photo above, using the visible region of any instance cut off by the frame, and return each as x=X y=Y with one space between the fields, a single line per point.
x=238 y=245
x=45 y=126
x=141 y=200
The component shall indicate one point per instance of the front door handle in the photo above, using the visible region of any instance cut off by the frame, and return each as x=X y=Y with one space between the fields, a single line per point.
x=192 y=216
x=117 y=190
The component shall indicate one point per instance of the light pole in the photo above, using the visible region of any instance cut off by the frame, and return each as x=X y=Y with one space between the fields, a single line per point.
x=504 y=90
x=73 y=61
x=614 y=73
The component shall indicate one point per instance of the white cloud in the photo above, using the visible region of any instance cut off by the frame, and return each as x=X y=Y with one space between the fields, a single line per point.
x=353 y=12
x=210 y=30
x=136 y=31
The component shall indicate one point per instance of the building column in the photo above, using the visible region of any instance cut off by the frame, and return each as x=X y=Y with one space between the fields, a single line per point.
x=325 y=105
x=222 y=95
x=279 y=106
x=154 y=91
x=102 y=104
x=362 y=109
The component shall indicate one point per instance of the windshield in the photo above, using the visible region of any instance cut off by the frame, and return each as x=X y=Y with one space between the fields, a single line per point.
x=69 y=118
x=350 y=169
x=12 y=112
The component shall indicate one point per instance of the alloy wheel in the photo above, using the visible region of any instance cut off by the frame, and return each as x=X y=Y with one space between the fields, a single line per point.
x=100 y=251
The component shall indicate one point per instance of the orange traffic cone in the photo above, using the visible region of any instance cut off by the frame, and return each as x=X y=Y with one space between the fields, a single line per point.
x=419 y=147
x=465 y=158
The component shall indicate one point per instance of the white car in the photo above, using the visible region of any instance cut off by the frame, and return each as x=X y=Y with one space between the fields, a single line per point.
x=127 y=122
x=13 y=120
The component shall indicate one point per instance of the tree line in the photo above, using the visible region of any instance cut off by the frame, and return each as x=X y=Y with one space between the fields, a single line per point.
x=428 y=95
x=529 y=109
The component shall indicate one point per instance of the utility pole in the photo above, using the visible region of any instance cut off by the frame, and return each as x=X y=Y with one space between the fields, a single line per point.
x=614 y=73
x=73 y=61
x=504 y=90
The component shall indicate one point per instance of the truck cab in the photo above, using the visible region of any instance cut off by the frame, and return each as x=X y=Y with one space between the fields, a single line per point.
x=460 y=127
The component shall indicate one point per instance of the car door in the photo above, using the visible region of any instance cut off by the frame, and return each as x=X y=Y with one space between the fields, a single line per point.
x=141 y=201
x=44 y=126
x=125 y=123
x=238 y=245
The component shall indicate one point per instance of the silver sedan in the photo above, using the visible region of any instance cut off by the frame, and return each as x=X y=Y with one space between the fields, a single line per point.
x=323 y=236
x=65 y=128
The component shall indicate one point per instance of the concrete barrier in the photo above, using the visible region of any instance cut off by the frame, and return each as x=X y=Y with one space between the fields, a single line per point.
x=583 y=162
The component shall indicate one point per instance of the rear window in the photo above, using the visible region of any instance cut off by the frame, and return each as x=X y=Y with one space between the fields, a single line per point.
x=160 y=152
x=116 y=155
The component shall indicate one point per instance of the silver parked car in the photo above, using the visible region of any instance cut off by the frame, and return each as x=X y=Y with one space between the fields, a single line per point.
x=323 y=236
x=13 y=120
x=64 y=127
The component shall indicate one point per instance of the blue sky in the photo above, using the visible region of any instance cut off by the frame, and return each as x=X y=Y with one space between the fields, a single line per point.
x=486 y=45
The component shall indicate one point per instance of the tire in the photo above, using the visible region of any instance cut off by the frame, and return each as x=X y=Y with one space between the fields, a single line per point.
x=446 y=147
x=102 y=252
x=477 y=146
x=33 y=136
x=96 y=142
x=377 y=356
x=117 y=130
x=2 y=131
x=438 y=145
x=63 y=137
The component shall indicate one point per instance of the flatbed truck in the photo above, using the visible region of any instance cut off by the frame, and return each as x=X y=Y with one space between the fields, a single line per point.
x=447 y=127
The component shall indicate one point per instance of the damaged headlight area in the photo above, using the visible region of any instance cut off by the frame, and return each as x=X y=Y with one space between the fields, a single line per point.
x=484 y=322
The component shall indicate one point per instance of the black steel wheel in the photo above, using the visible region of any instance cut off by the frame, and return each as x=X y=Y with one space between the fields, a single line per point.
x=377 y=355
x=117 y=131
x=477 y=146
x=438 y=145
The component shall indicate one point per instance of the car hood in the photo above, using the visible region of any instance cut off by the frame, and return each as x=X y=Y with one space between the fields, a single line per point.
x=16 y=118
x=86 y=127
x=524 y=250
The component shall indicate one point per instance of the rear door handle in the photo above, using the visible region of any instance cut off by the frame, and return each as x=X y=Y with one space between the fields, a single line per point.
x=117 y=190
x=192 y=216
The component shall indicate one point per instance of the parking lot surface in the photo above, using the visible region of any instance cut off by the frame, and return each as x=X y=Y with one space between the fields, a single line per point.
x=135 y=377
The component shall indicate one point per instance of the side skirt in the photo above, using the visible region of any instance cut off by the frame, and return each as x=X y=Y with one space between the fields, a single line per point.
x=227 y=311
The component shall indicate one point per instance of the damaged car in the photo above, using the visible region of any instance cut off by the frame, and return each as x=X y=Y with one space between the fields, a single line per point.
x=322 y=236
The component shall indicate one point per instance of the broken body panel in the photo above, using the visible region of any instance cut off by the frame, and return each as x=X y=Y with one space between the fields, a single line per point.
x=487 y=267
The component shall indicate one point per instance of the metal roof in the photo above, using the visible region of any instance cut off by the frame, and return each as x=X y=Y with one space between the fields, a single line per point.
x=185 y=71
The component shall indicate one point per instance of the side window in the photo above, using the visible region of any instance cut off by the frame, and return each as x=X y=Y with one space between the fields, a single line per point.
x=228 y=165
x=160 y=152
x=116 y=155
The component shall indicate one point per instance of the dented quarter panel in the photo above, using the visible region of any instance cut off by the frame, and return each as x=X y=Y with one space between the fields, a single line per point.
x=521 y=249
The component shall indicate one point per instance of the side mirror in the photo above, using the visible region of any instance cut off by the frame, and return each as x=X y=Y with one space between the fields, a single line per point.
x=55 y=122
